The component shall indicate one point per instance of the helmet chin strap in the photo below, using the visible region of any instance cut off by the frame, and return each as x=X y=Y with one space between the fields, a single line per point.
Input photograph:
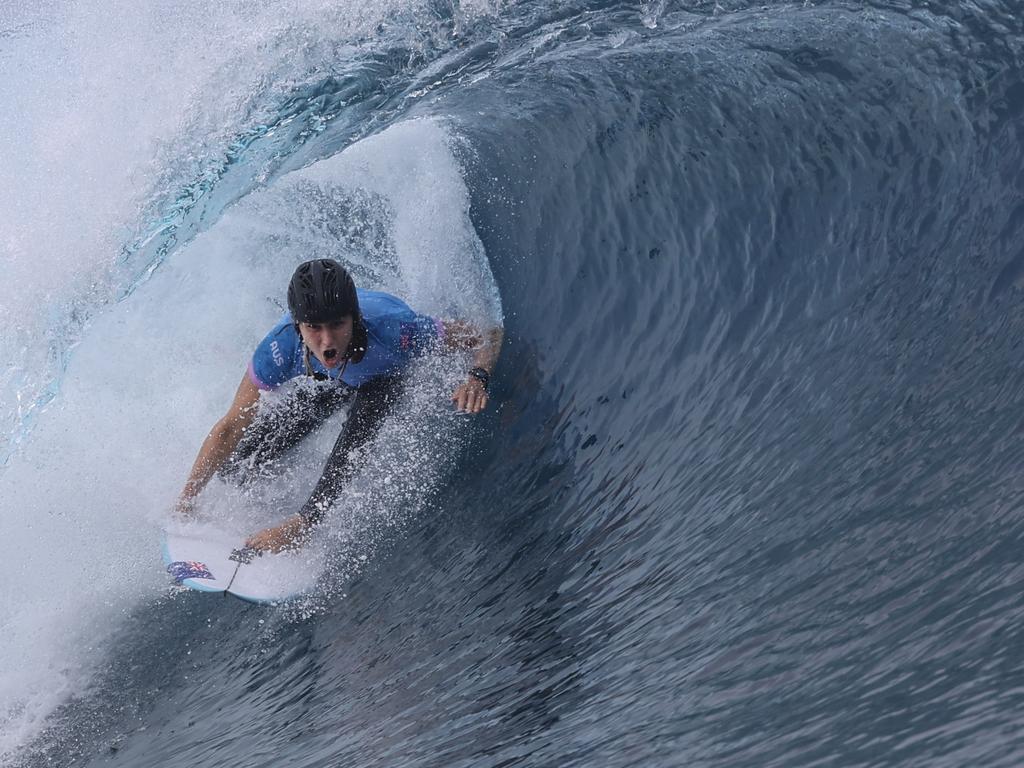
x=305 y=359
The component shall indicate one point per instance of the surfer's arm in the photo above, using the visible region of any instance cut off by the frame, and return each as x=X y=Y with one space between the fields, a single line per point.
x=290 y=534
x=471 y=396
x=222 y=440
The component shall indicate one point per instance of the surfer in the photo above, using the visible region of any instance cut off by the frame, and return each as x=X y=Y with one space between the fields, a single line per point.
x=346 y=344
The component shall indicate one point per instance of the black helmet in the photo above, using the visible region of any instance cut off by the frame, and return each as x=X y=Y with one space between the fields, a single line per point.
x=322 y=291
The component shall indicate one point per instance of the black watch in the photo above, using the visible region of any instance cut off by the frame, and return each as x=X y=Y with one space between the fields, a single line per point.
x=481 y=375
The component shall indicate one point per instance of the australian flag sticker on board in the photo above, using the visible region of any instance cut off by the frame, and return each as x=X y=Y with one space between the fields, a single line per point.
x=188 y=569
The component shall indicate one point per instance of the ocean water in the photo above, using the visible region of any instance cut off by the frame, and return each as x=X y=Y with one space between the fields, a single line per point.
x=749 y=489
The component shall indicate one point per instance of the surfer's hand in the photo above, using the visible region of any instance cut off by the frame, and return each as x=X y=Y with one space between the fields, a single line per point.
x=185 y=507
x=289 y=535
x=470 y=397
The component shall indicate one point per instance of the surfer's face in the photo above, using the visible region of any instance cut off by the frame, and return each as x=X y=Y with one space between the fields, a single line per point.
x=328 y=341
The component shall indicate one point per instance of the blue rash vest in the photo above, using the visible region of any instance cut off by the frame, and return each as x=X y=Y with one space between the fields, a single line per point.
x=395 y=335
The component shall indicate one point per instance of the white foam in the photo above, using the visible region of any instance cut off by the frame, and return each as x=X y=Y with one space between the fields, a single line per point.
x=441 y=267
x=111 y=106
x=83 y=501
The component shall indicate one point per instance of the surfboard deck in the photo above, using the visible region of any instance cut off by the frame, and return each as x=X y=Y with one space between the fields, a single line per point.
x=200 y=557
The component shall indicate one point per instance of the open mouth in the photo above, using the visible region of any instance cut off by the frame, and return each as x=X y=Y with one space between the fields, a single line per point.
x=330 y=355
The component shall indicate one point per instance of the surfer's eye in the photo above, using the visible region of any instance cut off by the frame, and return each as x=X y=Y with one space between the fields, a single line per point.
x=314 y=326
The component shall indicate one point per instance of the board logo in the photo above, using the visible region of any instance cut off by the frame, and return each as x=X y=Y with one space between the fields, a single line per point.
x=275 y=350
x=188 y=569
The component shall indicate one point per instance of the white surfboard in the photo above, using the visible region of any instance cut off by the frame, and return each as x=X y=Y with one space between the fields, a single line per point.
x=208 y=559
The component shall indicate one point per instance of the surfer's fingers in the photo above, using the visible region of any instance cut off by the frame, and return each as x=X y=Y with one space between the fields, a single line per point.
x=475 y=401
x=185 y=508
x=470 y=397
x=462 y=398
x=260 y=541
x=459 y=398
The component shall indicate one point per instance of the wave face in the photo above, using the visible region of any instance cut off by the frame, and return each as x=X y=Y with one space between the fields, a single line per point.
x=747 y=494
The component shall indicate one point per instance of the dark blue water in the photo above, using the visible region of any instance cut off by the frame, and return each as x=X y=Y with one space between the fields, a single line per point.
x=750 y=495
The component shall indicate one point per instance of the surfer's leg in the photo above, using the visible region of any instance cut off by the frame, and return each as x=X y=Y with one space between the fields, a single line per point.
x=280 y=427
x=374 y=401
